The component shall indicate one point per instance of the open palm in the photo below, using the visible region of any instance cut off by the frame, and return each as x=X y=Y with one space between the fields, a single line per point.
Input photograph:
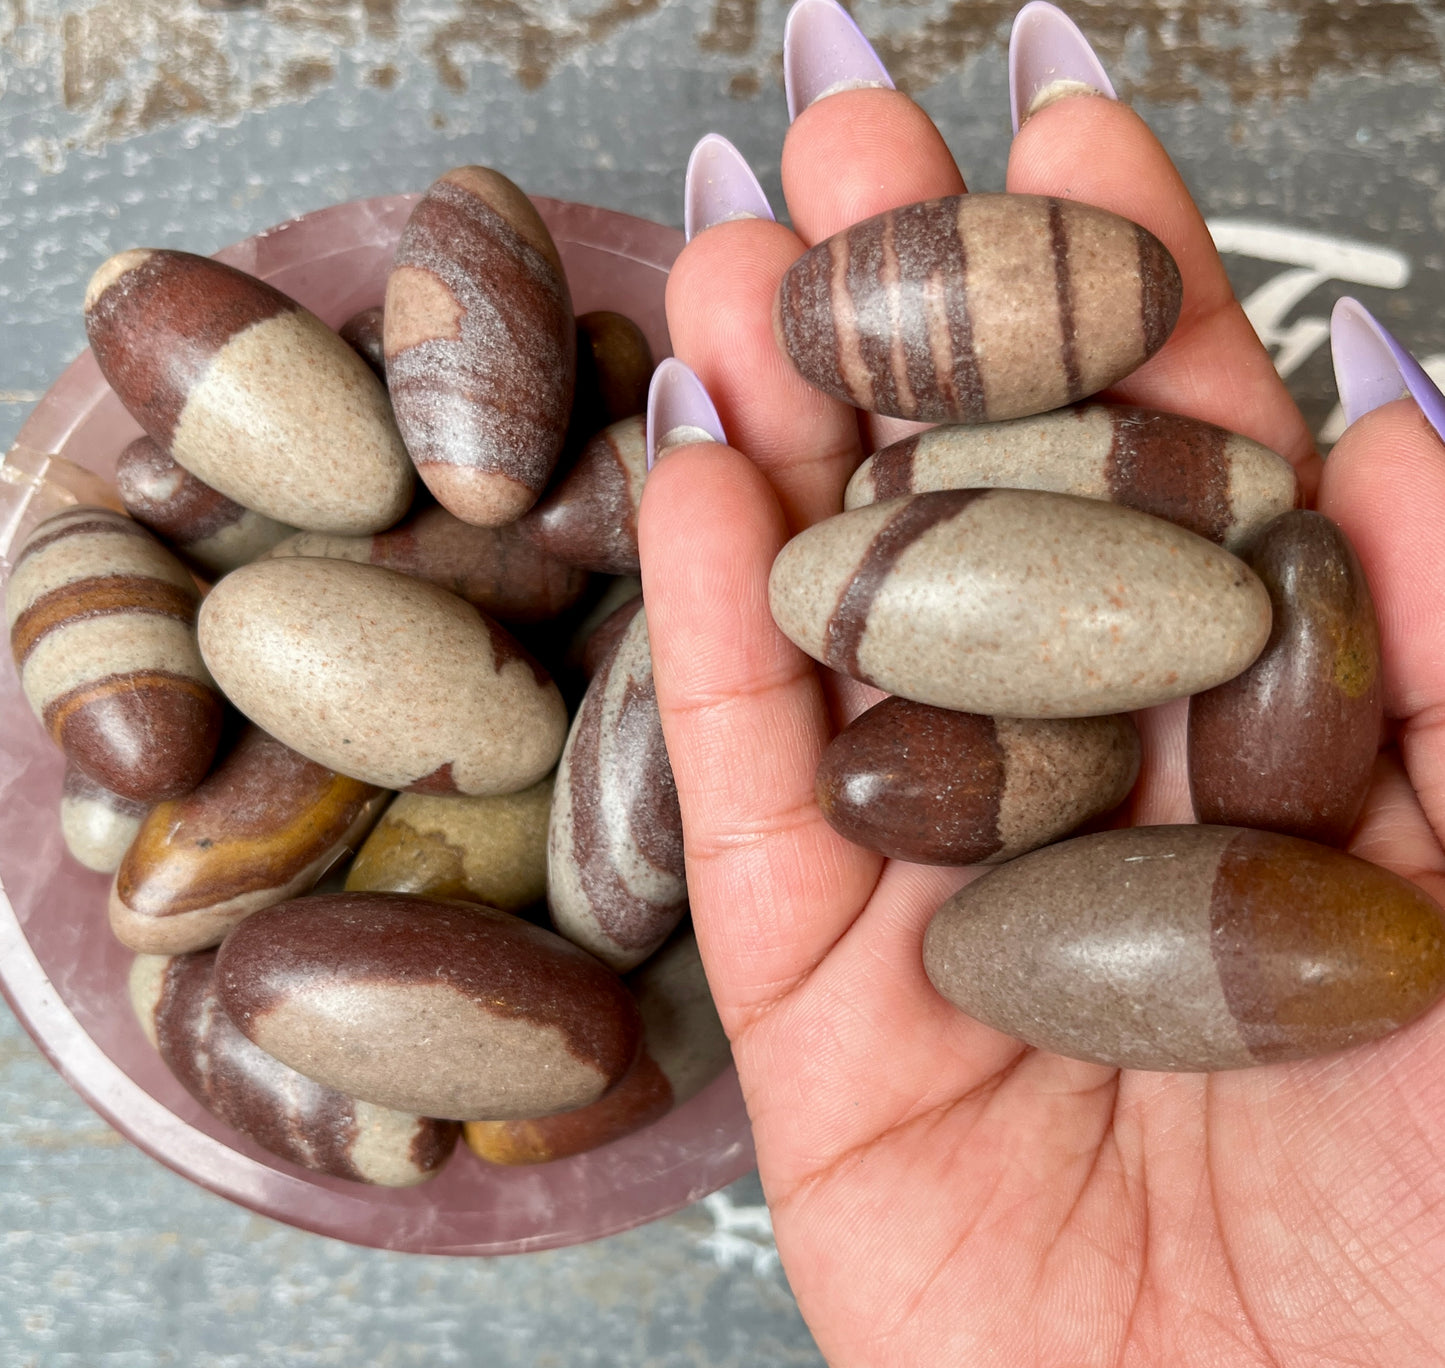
x=942 y=1194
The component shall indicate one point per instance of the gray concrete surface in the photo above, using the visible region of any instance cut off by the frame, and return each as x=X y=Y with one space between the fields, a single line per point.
x=171 y=122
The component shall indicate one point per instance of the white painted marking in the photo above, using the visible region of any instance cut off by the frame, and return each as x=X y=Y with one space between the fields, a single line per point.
x=741 y=1235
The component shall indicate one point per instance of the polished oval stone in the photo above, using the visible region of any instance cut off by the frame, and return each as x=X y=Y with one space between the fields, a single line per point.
x=98 y=825
x=248 y=391
x=1018 y=603
x=362 y=332
x=614 y=369
x=1218 y=484
x=265 y=825
x=442 y=1008
x=684 y=1049
x=952 y=788
x=589 y=517
x=281 y=1110
x=1290 y=744
x=1189 y=948
x=102 y=626
x=489 y=850
x=504 y=573
x=382 y=677
x=210 y=532
x=616 y=884
x=481 y=347
x=977 y=308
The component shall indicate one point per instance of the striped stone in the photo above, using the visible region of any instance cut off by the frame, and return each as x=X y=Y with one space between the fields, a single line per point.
x=98 y=825
x=589 y=518
x=102 y=627
x=1189 y=948
x=1018 y=603
x=977 y=308
x=952 y=788
x=616 y=884
x=250 y=392
x=283 y=1111
x=684 y=1049
x=210 y=532
x=265 y=825
x=481 y=347
x=1216 y=483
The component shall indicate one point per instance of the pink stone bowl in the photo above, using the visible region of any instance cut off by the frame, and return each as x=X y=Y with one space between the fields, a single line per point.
x=64 y=974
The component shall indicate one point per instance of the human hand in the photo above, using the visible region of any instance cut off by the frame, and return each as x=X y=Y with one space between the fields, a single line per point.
x=941 y=1193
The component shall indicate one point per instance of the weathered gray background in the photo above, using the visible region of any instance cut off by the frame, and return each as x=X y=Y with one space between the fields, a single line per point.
x=173 y=123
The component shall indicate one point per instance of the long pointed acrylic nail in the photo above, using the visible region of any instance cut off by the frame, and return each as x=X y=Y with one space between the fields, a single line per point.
x=1048 y=58
x=679 y=411
x=1372 y=368
x=824 y=52
x=720 y=186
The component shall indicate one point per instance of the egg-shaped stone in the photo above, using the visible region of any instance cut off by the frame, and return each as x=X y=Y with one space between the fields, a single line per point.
x=940 y=787
x=102 y=623
x=481 y=347
x=281 y=1110
x=1216 y=483
x=265 y=825
x=248 y=391
x=362 y=332
x=442 y=1008
x=1189 y=948
x=614 y=368
x=382 y=677
x=977 y=308
x=98 y=825
x=1019 y=603
x=1290 y=744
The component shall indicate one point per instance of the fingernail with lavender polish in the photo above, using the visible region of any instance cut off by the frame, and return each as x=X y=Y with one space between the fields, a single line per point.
x=1048 y=59
x=720 y=187
x=678 y=411
x=825 y=52
x=1372 y=368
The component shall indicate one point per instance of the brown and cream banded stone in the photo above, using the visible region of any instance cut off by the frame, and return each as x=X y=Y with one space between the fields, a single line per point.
x=684 y=1049
x=1018 y=603
x=283 y=1111
x=443 y=1008
x=1216 y=483
x=481 y=347
x=98 y=825
x=952 y=788
x=102 y=626
x=1290 y=744
x=589 y=518
x=977 y=308
x=248 y=391
x=362 y=332
x=599 y=643
x=1189 y=948
x=265 y=825
x=488 y=850
x=616 y=884
x=614 y=368
x=382 y=677
x=210 y=532
x=504 y=573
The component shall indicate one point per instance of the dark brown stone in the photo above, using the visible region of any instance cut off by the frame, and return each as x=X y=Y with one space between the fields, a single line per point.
x=614 y=366
x=362 y=332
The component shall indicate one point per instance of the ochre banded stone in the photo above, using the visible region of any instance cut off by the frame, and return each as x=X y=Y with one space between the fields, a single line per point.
x=1290 y=744
x=481 y=346
x=1215 y=483
x=1018 y=603
x=265 y=825
x=951 y=788
x=977 y=308
x=98 y=825
x=362 y=332
x=102 y=626
x=248 y=391
x=1189 y=948
x=281 y=1110
x=442 y=1008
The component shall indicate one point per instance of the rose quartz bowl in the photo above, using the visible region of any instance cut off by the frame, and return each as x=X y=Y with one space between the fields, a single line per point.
x=64 y=974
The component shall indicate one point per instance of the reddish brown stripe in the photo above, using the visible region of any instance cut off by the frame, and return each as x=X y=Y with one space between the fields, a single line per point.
x=506 y=648
x=1160 y=290
x=439 y=781
x=608 y=633
x=102 y=522
x=99 y=597
x=1063 y=291
x=809 y=328
x=844 y=632
x=191 y=513
x=892 y=470
x=867 y=250
x=158 y=328
x=1171 y=467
